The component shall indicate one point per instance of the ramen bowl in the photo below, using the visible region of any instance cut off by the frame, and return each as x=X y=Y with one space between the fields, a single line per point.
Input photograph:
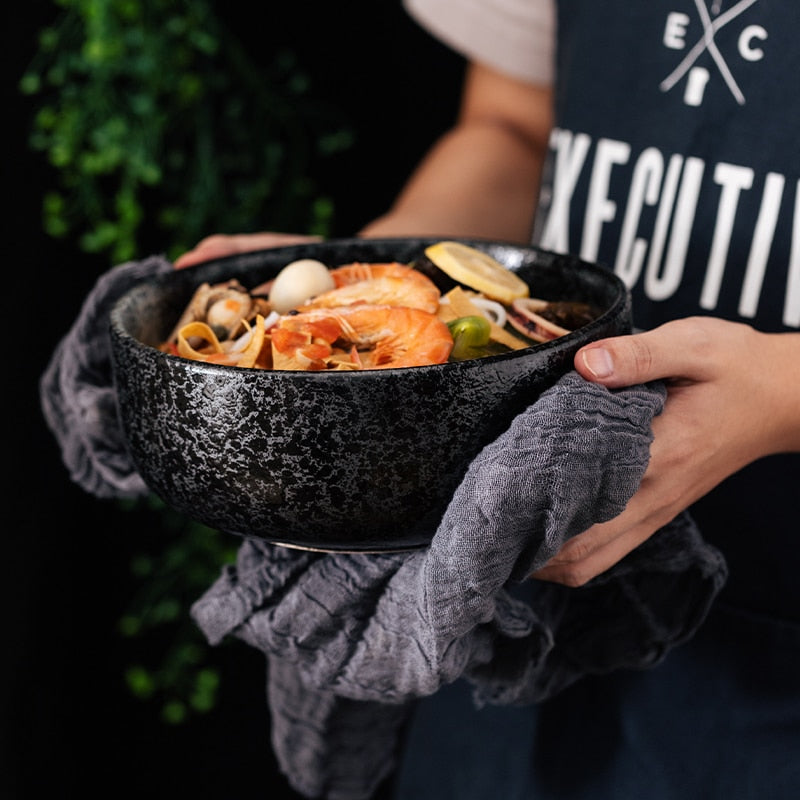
x=332 y=461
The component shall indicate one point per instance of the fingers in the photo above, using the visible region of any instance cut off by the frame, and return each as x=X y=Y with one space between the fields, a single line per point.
x=591 y=553
x=716 y=371
x=598 y=548
x=674 y=350
x=221 y=245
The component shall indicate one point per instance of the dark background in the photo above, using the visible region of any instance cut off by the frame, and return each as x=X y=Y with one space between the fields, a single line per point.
x=69 y=727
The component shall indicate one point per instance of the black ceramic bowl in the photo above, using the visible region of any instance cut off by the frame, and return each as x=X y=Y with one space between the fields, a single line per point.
x=355 y=461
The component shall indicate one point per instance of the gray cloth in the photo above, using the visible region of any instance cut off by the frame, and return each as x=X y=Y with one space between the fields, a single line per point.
x=352 y=640
x=77 y=396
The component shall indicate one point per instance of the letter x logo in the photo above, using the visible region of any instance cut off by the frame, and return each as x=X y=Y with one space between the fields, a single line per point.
x=673 y=37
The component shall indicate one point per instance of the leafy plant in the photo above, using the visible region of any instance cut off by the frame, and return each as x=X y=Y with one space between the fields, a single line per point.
x=160 y=128
x=171 y=571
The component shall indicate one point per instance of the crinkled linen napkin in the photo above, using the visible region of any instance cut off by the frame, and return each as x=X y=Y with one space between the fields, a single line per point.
x=78 y=399
x=351 y=641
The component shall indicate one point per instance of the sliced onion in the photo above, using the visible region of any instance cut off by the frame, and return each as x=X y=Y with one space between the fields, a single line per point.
x=242 y=342
x=495 y=312
x=239 y=344
x=271 y=320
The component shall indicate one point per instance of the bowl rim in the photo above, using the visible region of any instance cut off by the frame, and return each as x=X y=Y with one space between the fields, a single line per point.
x=301 y=250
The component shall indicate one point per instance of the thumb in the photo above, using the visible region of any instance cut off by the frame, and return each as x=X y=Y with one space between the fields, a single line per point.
x=668 y=351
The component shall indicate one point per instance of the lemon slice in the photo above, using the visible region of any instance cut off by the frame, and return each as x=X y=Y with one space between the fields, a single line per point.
x=478 y=270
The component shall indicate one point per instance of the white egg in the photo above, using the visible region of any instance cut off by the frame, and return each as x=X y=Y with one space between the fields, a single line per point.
x=297 y=282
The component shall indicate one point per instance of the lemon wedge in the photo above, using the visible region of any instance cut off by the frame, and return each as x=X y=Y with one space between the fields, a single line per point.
x=478 y=270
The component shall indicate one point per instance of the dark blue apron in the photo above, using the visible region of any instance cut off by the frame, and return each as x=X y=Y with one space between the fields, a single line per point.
x=676 y=162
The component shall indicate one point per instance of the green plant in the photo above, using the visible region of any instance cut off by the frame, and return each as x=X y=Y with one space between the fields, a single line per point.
x=173 y=567
x=161 y=128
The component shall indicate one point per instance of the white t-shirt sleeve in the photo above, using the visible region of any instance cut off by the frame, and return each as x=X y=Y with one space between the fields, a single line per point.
x=515 y=37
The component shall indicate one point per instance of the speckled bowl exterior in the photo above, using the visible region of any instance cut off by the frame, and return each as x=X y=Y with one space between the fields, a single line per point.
x=338 y=461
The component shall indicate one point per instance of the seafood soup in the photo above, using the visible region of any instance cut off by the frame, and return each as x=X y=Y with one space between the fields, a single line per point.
x=452 y=303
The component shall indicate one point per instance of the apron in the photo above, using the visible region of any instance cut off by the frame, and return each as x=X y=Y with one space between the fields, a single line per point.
x=668 y=164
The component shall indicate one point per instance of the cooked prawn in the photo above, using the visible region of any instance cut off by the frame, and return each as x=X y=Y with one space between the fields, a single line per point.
x=305 y=342
x=359 y=271
x=391 y=284
x=360 y=337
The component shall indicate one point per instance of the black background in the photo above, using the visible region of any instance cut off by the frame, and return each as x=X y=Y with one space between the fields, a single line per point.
x=69 y=727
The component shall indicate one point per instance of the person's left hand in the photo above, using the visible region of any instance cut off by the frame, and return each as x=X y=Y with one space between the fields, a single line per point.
x=732 y=398
x=219 y=245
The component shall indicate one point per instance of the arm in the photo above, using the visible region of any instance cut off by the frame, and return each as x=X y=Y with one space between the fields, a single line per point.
x=482 y=177
x=733 y=397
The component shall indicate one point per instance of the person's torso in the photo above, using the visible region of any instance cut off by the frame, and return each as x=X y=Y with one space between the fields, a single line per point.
x=675 y=161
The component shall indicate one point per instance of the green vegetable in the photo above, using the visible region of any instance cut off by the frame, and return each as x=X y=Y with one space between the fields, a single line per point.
x=470 y=337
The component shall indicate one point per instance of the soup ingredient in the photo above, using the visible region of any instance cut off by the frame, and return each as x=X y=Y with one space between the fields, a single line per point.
x=471 y=335
x=493 y=311
x=360 y=337
x=378 y=284
x=228 y=311
x=570 y=314
x=297 y=282
x=543 y=320
x=208 y=348
x=358 y=271
x=478 y=270
x=370 y=316
x=223 y=306
x=458 y=303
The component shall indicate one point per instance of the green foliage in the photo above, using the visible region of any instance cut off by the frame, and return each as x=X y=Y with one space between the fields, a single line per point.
x=161 y=129
x=174 y=568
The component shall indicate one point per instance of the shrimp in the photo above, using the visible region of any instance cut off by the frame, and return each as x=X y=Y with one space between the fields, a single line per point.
x=360 y=337
x=359 y=271
x=391 y=284
x=305 y=342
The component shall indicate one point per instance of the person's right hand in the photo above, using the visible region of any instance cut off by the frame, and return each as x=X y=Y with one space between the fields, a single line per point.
x=220 y=245
x=733 y=396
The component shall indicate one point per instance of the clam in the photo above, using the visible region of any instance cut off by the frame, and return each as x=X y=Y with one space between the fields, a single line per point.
x=224 y=306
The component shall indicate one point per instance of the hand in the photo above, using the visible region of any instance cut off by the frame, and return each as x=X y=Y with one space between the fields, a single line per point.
x=733 y=397
x=220 y=245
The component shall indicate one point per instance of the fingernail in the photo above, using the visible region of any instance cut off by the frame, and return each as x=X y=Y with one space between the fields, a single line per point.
x=598 y=361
